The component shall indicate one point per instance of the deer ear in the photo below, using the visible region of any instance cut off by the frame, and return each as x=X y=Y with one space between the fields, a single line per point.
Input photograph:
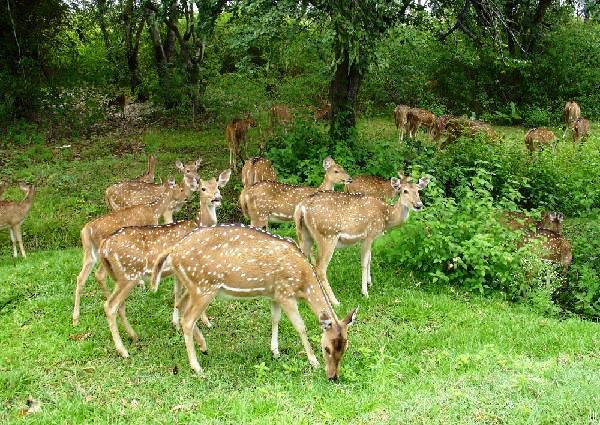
x=560 y=217
x=396 y=183
x=179 y=165
x=224 y=177
x=423 y=182
x=198 y=162
x=325 y=320
x=328 y=162
x=351 y=317
x=401 y=175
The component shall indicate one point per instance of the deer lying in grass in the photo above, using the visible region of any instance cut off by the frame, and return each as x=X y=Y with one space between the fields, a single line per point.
x=336 y=219
x=536 y=138
x=416 y=117
x=236 y=134
x=271 y=201
x=129 y=254
x=243 y=262
x=130 y=193
x=377 y=187
x=279 y=115
x=571 y=113
x=256 y=170
x=401 y=120
x=323 y=112
x=13 y=213
x=94 y=232
x=581 y=129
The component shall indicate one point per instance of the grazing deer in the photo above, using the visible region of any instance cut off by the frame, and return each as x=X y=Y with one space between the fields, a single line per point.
x=440 y=126
x=256 y=170
x=236 y=134
x=571 y=113
x=97 y=230
x=456 y=127
x=581 y=129
x=244 y=262
x=416 y=117
x=401 y=120
x=271 y=201
x=12 y=215
x=280 y=115
x=129 y=254
x=536 y=138
x=377 y=187
x=121 y=102
x=130 y=193
x=323 y=112
x=148 y=177
x=333 y=219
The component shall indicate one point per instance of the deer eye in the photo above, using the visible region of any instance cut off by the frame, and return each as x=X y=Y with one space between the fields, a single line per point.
x=335 y=171
x=405 y=190
x=327 y=350
x=203 y=189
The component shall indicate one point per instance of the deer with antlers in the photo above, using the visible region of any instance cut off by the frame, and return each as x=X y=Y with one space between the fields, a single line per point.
x=130 y=193
x=270 y=201
x=13 y=213
x=236 y=134
x=94 y=232
x=244 y=262
x=256 y=170
x=333 y=219
x=129 y=254
x=401 y=120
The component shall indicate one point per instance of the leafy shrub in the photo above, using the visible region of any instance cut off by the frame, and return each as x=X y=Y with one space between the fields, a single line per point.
x=535 y=116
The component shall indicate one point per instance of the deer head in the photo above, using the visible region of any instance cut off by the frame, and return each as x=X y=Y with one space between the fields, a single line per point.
x=209 y=189
x=334 y=341
x=409 y=191
x=334 y=173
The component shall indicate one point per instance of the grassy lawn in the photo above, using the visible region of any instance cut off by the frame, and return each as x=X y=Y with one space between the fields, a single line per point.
x=419 y=353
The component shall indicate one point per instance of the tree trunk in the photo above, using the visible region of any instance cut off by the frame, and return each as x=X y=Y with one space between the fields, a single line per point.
x=343 y=91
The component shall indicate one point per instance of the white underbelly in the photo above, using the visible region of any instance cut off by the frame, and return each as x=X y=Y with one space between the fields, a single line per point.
x=347 y=239
x=280 y=218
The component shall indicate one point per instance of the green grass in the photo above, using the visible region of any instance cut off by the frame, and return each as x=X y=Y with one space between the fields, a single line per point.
x=419 y=353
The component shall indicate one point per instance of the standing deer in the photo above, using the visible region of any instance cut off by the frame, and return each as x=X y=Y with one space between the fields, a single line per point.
x=129 y=254
x=416 y=117
x=377 y=187
x=333 y=219
x=130 y=193
x=401 y=120
x=581 y=129
x=571 y=113
x=536 y=138
x=12 y=215
x=256 y=170
x=97 y=230
x=120 y=102
x=244 y=262
x=279 y=115
x=236 y=134
x=270 y=201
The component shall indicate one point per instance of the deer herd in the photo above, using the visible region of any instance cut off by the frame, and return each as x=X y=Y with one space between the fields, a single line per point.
x=208 y=259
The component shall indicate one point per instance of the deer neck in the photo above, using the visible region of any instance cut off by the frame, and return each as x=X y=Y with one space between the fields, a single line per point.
x=163 y=204
x=395 y=215
x=207 y=214
x=29 y=197
x=327 y=184
x=317 y=299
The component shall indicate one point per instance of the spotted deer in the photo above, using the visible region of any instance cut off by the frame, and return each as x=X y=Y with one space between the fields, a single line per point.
x=571 y=113
x=323 y=112
x=256 y=170
x=97 y=230
x=236 y=134
x=244 y=262
x=148 y=177
x=279 y=115
x=416 y=118
x=401 y=120
x=536 y=138
x=556 y=248
x=270 y=201
x=128 y=255
x=581 y=129
x=377 y=187
x=336 y=219
x=13 y=213
x=130 y=193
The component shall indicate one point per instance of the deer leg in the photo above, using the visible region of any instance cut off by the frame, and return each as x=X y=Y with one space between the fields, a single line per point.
x=275 y=317
x=100 y=276
x=194 y=308
x=326 y=249
x=179 y=298
x=89 y=260
x=114 y=304
x=365 y=259
x=13 y=240
x=19 y=236
x=290 y=307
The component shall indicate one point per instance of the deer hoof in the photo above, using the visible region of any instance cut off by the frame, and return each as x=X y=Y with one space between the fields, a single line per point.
x=314 y=362
x=275 y=353
x=123 y=352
